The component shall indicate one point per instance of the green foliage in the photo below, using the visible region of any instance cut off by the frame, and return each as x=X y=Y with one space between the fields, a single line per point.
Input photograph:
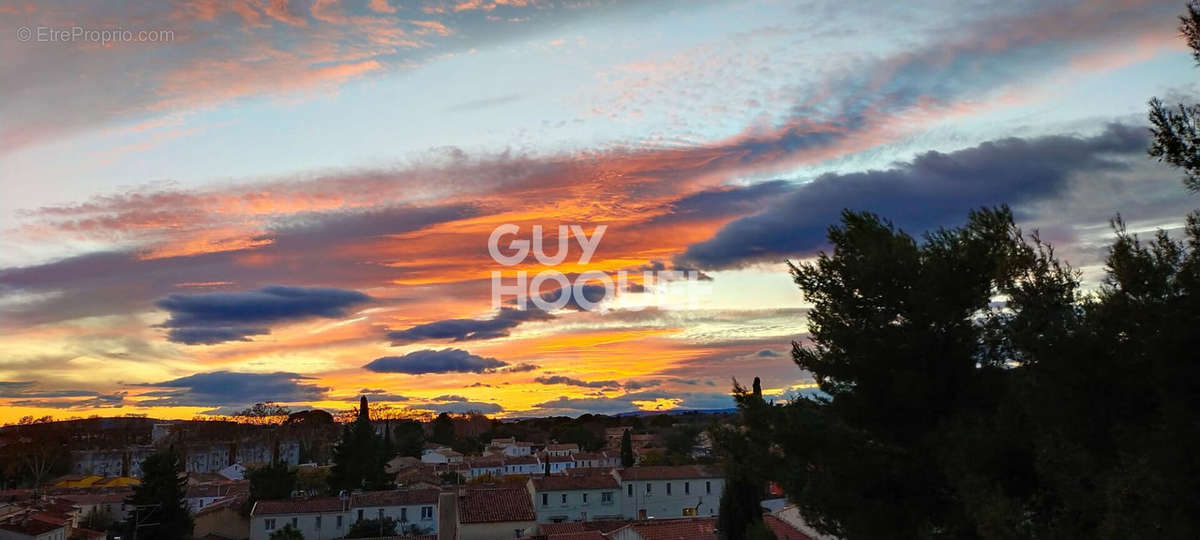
x=745 y=450
x=287 y=532
x=276 y=481
x=587 y=438
x=373 y=528
x=1054 y=414
x=409 y=438
x=158 y=508
x=1176 y=134
x=360 y=457
x=627 y=458
x=443 y=430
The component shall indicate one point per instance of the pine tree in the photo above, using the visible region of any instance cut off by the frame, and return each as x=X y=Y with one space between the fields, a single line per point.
x=627 y=459
x=360 y=457
x=158 y=506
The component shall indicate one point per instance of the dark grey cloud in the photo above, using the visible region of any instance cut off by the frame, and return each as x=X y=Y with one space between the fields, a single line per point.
x=26 y=394
x=639 y=385
x=570 y=381
x=461 y=407
x=768 y=353
x=303 y=230
x=469 y=329
x=520 y=368
x=208 y=318
x=228 y=388
x=449 y=397
x=434 y=361
x=377 y=394
x=934 y=189
x=625 y=403
x=199 y=335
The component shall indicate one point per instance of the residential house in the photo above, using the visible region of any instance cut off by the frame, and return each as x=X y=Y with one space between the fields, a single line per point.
x=523 y=465
x=222 y=518
x=414 y=509
x=28 y=528
x=494 y=512
x=317 y=518
x=670 y=529
x=670 y=491
x=485 y=466
x=441 y=455
x=566 y=449
x=596 y=460
x=575 y=497
x=559 y=464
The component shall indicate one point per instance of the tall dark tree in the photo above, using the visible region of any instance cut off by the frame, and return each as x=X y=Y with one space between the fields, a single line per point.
x=360 y=457
x=158 y=508
x=1176 y=134
x=948 y=413
x=627 y=458
x=443 y=429
x=748 y=463
x=275 y=481
x=409 y=438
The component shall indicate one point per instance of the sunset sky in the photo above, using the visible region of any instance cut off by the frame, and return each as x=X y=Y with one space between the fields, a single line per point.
x=291 y=201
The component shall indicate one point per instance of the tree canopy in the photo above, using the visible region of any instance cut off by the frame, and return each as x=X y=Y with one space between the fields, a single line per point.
x=971 y=389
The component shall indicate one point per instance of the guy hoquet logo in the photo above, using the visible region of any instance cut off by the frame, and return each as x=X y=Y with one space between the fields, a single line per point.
x=551 y=289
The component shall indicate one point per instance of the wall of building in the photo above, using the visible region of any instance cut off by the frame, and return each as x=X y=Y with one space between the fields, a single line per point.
x=494 y=531
x=575 y=509
x=306 y=523
x=686 y=493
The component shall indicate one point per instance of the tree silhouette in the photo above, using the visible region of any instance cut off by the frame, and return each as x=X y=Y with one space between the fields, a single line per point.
x=360 y=457
x=1176 y=135
x=158 y=508
x=627 y=458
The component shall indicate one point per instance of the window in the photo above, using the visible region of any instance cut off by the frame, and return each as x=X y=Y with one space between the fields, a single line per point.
x=708 y=487
x=668 y=488
x=380 y=513
x=545 y=499
x=630 y=486
x=687 y=488
x=403 y=514
x=606 y=497
x=585 y=498
x=269 y=524
x=426 y=512
x=689 y=511
x=317 y=523
x=339 y=522
x=296 y=522
x=360 y=514
x=649 y=488
x=564 y=498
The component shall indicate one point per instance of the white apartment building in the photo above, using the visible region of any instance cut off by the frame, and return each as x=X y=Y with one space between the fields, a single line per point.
x=412 y=509
x=321 y=518
x=575 y=498
x=662 y=492
x=523 y=465
x=317 y=518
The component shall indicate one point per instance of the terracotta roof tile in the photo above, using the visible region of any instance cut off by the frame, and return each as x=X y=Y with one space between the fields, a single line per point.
x=782 y=529
x=667 y=472
x=678 y=529
x=399 y=497
x=298 y=506
x=562 y=483
x=491 y=505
